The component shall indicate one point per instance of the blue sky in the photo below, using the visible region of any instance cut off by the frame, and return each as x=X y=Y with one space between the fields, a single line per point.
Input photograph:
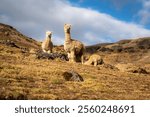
x=93 y=21
x=122 y=11
x=125 y=10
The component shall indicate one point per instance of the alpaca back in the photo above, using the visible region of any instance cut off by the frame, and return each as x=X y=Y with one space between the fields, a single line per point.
x=94 y=58
x=77 y=46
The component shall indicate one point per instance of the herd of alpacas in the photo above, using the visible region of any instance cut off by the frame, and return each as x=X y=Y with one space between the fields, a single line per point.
x=74 y=48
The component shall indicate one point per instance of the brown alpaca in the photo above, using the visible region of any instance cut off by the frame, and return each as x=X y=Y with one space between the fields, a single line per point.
x=94 y=60
x=75 y=49
x=47 y=44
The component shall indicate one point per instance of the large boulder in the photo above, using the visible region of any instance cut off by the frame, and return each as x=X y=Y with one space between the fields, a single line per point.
x=72 y=76
x=43 y=55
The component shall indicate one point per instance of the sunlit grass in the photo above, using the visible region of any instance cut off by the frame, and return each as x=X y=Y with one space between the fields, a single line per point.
x=24 y=77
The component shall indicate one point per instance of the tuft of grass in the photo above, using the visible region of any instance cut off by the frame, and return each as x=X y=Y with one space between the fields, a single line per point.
x=57 y=81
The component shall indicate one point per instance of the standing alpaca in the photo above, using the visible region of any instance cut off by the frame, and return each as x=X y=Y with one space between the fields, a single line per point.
x=75 y=49
x=47 y=44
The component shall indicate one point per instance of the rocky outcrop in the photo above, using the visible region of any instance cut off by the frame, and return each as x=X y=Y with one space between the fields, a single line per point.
x=72 y=76
x=52 y=56
x=131 y=68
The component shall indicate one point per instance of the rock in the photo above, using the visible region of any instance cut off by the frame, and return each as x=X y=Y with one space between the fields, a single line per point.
x=33 y=51
x=42 y=55
x=131 y=68
x=129 y=49
x=72 y=76
x=140 y=70
x=10 y=43
x=6 y=33
x=116 y=48
x=103 y=49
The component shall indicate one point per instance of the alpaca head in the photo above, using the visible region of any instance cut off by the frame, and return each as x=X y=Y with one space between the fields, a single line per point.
x=48 y=34
x=67 y=28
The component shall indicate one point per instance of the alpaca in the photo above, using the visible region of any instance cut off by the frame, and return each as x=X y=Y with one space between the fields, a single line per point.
x=75 y=49
x=94 y=59
x=47 y=44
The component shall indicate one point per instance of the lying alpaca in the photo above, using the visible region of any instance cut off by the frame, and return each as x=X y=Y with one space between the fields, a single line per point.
x=94 y=59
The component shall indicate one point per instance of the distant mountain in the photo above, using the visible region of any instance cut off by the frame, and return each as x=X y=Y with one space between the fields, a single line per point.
x=94 y=48
x=133 y=45
x=11 y=36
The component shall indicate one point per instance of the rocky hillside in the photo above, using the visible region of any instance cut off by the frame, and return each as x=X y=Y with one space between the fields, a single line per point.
x=124 y=51
x=11 y=37
x=134 y=45
x=125 y=73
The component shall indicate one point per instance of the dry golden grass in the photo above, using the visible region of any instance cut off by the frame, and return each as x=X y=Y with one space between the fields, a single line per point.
x=24 y=77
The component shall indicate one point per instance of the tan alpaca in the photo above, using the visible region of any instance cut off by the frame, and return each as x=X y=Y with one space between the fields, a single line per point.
x=47 y=44
x=94 y=59
x=75 y=49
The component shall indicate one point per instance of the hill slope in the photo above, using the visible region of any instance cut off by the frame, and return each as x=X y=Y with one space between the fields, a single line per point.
x=9 y=35
x=134 y=45
x=124 y=51
x=125 y=75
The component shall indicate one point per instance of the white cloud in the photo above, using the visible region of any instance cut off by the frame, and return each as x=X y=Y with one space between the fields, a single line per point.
x=34 y=17
x=144 y=13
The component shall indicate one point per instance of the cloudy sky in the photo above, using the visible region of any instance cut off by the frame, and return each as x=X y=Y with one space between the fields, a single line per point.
x=93 y=21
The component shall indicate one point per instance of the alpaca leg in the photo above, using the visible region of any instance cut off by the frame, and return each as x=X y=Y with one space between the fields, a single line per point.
x=95 y=63
x=73 y=57
x=44 y=51
x=49 y=51
x=82 y=59
x=86 y=63
x=69 y=57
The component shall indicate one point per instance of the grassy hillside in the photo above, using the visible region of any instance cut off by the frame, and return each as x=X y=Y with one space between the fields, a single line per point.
x=10 y=36
x=23 y=76
x=134 y=45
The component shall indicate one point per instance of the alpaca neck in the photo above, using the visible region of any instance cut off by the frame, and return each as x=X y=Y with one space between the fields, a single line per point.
x=67 y=36
x=48 y=38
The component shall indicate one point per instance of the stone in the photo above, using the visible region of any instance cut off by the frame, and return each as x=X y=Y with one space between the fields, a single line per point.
x=52 y=56
x=72 y=76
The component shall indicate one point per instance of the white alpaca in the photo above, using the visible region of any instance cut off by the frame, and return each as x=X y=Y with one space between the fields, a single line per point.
x=47 y=44
x=94 y=59
x=75 y=49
